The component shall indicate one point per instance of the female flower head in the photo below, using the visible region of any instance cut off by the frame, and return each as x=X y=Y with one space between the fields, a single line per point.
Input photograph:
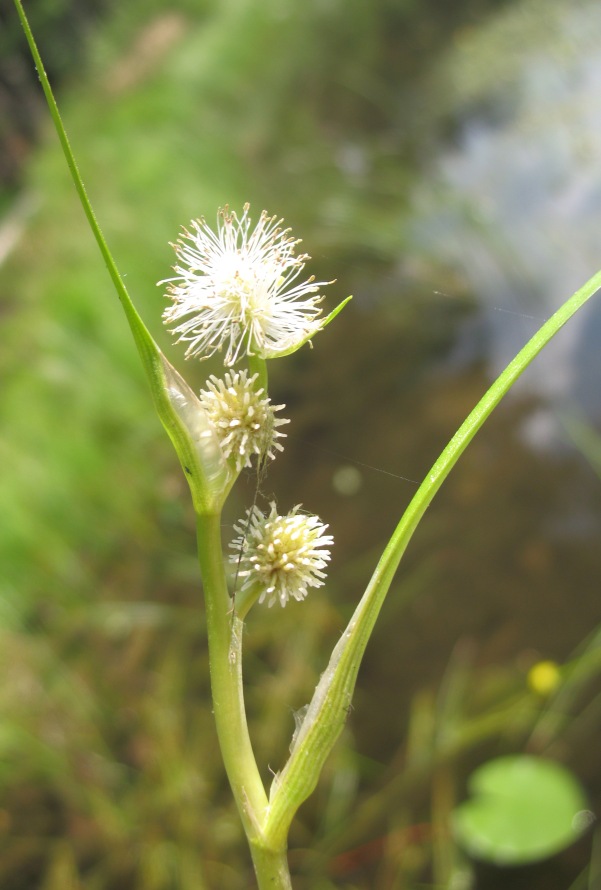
x=242 y=417
x=282 y=555
x=234 y=290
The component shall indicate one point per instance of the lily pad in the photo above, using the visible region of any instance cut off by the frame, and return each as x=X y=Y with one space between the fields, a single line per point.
x=522 y=809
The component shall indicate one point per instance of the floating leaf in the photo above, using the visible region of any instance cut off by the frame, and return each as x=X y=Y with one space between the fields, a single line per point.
x=523 y=809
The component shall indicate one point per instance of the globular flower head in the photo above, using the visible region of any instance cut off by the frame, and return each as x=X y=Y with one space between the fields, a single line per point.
x=242 y=417
x=235 y=290
x=284 y=555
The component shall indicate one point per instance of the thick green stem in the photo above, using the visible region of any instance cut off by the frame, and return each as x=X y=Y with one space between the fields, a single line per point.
x=225 y=630
x=271 y=868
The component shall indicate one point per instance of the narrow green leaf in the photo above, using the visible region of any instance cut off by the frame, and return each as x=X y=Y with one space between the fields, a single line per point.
x=178 y=408
x=327 y=712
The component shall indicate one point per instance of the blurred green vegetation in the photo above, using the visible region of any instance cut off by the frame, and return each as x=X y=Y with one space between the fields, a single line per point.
x=109 y=772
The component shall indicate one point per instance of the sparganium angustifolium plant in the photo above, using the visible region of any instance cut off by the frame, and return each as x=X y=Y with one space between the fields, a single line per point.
x=236 y=291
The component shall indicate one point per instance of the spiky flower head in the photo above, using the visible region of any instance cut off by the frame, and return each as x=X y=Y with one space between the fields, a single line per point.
x=234 y=289
x=242 y=417
x=283 y=555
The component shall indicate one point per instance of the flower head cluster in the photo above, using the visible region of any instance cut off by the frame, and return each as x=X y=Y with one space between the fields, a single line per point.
x=234 y=289
x=242 y=417
x=283 y=554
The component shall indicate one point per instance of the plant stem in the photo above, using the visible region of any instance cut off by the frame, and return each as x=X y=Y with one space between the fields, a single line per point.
x=271 y=868
x=224 y=631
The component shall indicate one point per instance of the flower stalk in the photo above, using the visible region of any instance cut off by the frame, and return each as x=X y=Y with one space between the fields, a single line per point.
x=224 y=633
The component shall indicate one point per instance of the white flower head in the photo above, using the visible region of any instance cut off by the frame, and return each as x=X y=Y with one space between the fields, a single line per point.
x=235 y=290
x=283 y=554
x=242 y=417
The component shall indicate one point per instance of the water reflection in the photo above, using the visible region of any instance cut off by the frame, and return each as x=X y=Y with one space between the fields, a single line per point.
x=513 y=199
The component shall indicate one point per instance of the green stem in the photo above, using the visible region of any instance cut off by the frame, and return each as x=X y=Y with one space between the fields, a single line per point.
x=225 y=631
x=271 y=868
